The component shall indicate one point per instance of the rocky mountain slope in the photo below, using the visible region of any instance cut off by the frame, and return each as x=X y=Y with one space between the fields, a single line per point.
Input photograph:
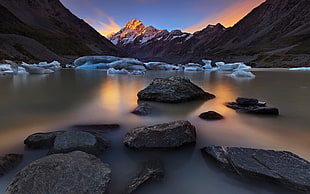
x=36 y=30
x=276 y=33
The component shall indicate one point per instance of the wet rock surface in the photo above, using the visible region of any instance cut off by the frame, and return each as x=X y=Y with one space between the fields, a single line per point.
x=67 y=141
x=173 y=90
x=143 y=109
x=281 y=167
x=73 y=173
x=8 y=162
x=161 y=136
x=153 y=169
x=211 y=115
x=252 y=106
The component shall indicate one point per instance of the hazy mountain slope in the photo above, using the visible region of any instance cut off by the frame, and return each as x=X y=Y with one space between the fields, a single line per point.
x=48 y=25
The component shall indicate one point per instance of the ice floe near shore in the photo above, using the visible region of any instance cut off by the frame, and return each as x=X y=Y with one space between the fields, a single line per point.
x=11 y=67
x=300 y=69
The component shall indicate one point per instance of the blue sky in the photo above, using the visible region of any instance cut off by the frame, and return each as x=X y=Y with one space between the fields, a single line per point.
x=107 y=16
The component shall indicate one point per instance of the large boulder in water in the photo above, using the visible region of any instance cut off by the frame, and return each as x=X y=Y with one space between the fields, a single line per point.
x=75 y=172
x=161 y=136
x=173 y=90
x=281 y=167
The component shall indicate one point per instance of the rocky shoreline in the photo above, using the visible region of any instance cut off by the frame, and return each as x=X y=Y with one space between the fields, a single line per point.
x=72 y=163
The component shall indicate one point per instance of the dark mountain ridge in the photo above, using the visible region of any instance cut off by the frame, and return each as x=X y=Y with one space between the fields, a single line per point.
x=36 y=30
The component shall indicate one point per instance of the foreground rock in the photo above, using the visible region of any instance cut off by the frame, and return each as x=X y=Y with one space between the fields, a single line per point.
x=281 y=167
x=211 y=115
x=253 y=106
x=76 y=172
x=166 y=135
x=67 y=141
x=173 y=90
x=143 y=109
x=8 y=162
x=152 y=170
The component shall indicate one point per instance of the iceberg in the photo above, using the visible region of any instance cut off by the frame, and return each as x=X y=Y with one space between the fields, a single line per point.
x=300 y=69
x=160 y=66
x=231 y=66
x=95 y=60
x=207 y=64
x=242 y=74
x=116 y=71
x=193 y=67
x=137 y=72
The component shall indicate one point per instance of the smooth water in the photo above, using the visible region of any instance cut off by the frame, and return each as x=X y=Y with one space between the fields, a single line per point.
x=41 y=103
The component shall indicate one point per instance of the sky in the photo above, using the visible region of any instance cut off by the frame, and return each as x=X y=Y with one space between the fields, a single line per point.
x=108 y=16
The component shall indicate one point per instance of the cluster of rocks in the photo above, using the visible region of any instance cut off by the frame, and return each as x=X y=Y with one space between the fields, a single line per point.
x=72 y=166
x=252 y=106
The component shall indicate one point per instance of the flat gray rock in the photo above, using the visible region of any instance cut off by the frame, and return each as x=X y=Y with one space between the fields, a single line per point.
x=143 y=109
x=281 y=167
x=68 y=141
x=173 y=90
x=166 y=135
x=72 y=173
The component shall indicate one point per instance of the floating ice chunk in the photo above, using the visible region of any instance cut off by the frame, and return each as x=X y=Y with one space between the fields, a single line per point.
x=95 y=60
x=94 y=66
x=226 y=67
x=207 y=64
x=300 y=69
x=116 y=71
x=242 y=74
x=243 y=66
x=160 y=66
x=136 y=72
x=127 y=63
x=193 y=67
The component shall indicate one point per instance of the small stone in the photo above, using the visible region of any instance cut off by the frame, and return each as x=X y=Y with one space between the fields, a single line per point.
x=246 y=101
x=211 y=115
x=143 y=109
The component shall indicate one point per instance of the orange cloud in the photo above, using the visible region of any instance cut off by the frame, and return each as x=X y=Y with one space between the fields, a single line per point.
x=227 y=17
x=109 y=28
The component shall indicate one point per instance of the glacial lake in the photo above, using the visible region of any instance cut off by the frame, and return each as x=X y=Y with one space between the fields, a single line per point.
x=42 y=103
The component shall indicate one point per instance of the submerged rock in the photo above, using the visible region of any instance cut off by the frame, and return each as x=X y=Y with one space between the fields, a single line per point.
x=67 y=141
x=281 y=167
x=143 y=109
x=73 y=173
x=173 y=90
x=211 y=115
x=8 y=162
x=152 y=170
x=252 y=106
x=161 y=136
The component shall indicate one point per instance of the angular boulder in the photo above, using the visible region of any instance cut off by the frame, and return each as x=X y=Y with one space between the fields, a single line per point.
x=280 y=167
x=161 y=136
x=73 y=173
x=211 y=115
x=143 y=109
x=173 y=90
x=41 y=140
x=252 y=106
x=8 y=162
x=152 y=169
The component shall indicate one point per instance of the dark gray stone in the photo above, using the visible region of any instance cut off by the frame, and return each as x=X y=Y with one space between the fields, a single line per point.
x=8 y=162
x=253 y=109
x=96 y=127
x=41 y=140
x=78 y=140
x=152 y=170
x=281 y=167
x=68 y=141
x=73 y=173
x=246 y=101
x=143 y=109
x=211 y=115
x=173 y=90
x=166 y=135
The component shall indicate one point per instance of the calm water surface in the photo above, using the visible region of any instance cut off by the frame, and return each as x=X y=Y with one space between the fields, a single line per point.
x=41 y=103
